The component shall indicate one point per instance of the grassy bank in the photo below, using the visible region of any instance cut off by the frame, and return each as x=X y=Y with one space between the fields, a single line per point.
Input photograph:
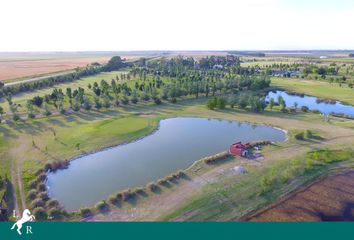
x=317 y=88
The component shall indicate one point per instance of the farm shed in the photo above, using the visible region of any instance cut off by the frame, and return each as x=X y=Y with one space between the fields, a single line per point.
x=238 y=149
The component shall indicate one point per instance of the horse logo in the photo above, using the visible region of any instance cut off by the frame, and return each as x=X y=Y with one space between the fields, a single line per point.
x=26 y=217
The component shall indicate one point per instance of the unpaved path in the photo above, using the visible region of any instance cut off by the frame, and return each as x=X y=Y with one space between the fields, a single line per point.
x=16 y=175
x=13 y=182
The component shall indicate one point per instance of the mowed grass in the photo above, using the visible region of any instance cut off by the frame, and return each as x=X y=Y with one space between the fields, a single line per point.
x=4 y=160
x=320 y=89
x=232 y=196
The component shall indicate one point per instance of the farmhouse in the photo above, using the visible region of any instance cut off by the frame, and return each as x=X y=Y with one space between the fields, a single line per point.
x=238 y=149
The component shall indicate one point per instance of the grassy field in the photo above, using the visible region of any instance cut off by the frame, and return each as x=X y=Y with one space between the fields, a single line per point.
x=30 y=145
x=317 y=88
x=212 y=192
x=83 y=83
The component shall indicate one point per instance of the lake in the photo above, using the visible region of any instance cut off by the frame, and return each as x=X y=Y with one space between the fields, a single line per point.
x=176 y=144
x=312 y=103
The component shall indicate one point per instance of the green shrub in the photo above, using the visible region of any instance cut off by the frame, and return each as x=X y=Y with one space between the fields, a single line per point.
x=329 y=156
x=41 y=187
x=119 y=196
x=41 y=177
x=113 y=200
x=38 y=202
x=127 y=194
x=299 y=136
x=32 y=194
x=102 y=206
x=153 y=187
x=52 y=203
x=55 y=213
x=308 y=134
x=40 y=214
x=44 y=196
x=33 y=184
x=85 y=212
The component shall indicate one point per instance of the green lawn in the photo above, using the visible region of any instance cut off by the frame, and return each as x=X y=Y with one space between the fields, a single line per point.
x=317 y=88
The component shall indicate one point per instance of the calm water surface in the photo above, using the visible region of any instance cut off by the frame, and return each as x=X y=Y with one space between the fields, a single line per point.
x=175 y=145
x=312 y=103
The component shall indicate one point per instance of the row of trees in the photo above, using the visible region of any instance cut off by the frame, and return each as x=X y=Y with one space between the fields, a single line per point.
x=253 y=102
x=115 y=63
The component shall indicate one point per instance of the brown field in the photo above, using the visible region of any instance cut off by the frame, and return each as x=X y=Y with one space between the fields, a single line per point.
x=16 y=68
x=329 y=199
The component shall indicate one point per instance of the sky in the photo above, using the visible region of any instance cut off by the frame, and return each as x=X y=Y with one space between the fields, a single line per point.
x=116 y=25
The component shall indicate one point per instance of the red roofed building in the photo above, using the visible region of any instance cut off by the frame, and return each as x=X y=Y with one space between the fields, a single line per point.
x=238 y=149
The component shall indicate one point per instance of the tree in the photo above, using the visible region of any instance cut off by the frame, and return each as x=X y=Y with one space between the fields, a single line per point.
x=70 y=96
x=282 y=103
x=2 y=112
x=40 y=213
x=211 y=104
x=47 y=112
x=115 y=63
x=134 y=98
x=87 y=104
x=271 y=103
x=38 y=101
x=220 y=102
x=30 y=109
x=98 y=104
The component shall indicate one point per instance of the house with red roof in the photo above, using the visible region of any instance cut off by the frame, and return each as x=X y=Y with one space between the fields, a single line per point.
x=239 y=149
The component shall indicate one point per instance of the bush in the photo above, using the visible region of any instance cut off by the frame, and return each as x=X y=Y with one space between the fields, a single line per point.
x=299 y=136
x=102 y=206
x=38 y=202
x=139 y=191
x=119 y=196
x=157 y=101
x=32 y=194
x=153 y=187
x=127 y=194
x=44 y=196
x=48 y=167
x=52 y=203
x=174 y=100
x=211 y=104
x=217 y=102
x=41 y=187
x=113 y=200
x=181 y=174
x=308 y=134
x=134 y=100
x=54 y=213
x=85 y=212
x=304 y=109
x=42 y=177
x=16 y=117
x=40 y=213
x=33 y=184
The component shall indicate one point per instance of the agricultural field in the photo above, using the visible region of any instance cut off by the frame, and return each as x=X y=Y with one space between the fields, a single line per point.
x=17 y=68
x=328 y=199
x=48 y=127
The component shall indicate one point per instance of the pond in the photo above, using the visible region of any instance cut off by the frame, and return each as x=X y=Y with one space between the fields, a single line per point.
x=313 y=103
x=176 y=144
